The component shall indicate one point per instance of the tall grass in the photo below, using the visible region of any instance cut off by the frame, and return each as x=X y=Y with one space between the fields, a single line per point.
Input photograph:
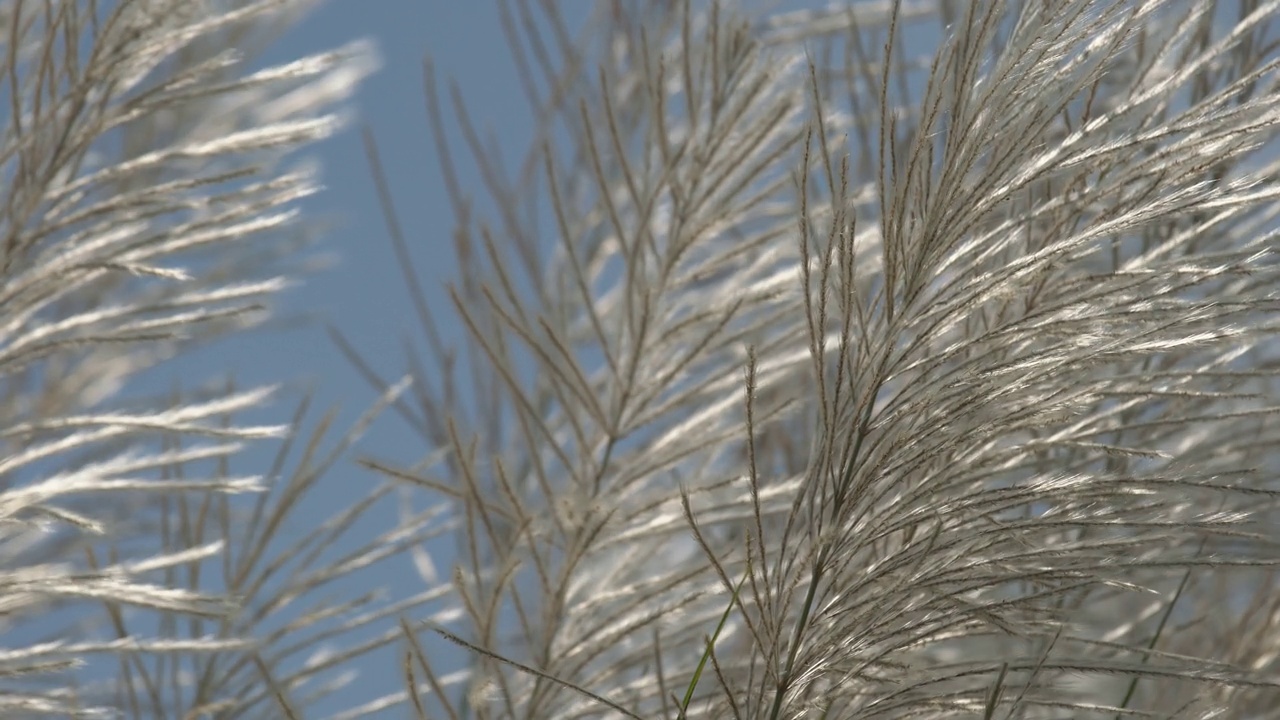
x=900 y=359
x=147 y=211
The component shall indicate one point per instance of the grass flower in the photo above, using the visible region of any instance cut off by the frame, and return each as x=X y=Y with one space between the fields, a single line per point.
x=900 y=359
x=856 y=375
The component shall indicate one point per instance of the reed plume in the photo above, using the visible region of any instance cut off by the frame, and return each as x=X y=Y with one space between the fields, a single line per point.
x=900 y=359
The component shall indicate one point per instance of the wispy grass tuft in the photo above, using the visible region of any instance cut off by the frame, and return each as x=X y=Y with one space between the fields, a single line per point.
x=1001 y=278
x=900 y=359
x=148 y=210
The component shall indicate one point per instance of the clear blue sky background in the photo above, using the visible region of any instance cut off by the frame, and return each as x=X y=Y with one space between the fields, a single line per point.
x=363 y=294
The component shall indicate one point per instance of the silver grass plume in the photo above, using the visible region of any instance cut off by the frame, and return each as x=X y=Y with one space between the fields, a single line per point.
x=815 y=373
x=147 y=209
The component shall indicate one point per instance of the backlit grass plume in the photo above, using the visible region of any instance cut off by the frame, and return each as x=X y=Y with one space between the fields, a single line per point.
x=892 y=360
x=147 y=208
x=901 y=359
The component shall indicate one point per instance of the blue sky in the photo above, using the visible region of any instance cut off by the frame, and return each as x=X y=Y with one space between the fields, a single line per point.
x=362 y=293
